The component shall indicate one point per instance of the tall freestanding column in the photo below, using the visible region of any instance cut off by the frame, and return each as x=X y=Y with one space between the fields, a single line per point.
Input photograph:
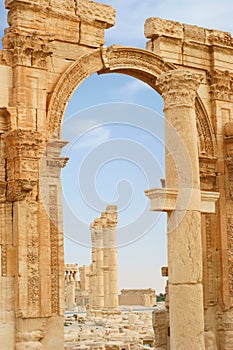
x=111 y=214
x=97 y=230
x=104 y=267
x=178 y=89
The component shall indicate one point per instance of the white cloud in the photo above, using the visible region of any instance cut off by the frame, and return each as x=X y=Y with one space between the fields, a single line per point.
x=129 y=91
x=93 y=138
x=84 y=134
x=74 y=127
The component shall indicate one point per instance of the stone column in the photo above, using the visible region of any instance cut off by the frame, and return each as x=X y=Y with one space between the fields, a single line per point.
x=70 y=285
x=92 y=275
x=178 y=89
x=106 y=265
x=111 y=214
x=84 y=272
x=99 y=286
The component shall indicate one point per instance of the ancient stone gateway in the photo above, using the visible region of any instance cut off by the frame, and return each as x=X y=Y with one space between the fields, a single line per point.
x=49 y=48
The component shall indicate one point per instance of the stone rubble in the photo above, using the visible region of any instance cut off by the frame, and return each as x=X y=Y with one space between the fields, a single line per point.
x=130 y=331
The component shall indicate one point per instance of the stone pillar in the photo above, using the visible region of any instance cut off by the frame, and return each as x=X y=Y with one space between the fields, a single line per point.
x=92 y=276
x=178 y=89
x=111 y=215
x=84 y=272
x=96 y=227
x=106 y=261
x=104 y=268
x=70 y=286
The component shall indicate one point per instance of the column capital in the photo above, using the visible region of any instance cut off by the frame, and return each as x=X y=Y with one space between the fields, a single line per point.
x=221 y=84
x=179 y=87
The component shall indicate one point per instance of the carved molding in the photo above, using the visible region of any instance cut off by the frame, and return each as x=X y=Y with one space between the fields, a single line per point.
x=179 y=87
x=221 y=85
x=230 y=253
x=4 y=260
x=66 y=85
x=206 y=137
x=27 y=50
x=4 y=120
x=217 y=37
x=166 y=199
x=23 y=151
x=120 y=58
x=54 y=239
x=225 y=321
x=141 y=64
x=207 y=173
x=228 y=133
x=17 y=190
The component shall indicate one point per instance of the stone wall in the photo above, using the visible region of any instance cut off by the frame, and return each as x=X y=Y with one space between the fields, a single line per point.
x=142 y=297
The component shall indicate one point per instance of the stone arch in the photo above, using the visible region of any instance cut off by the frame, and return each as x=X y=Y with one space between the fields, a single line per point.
x=138 y=63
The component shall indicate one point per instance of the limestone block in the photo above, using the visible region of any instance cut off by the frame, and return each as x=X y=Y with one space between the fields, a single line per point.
x=133 y=318
x=226 y=340
x=170 y=49
x=155 y=26
x=184 y=302
x=208 y=200
x=6 y=85
x=196 y=55
x=7 y=336
x=184 y=247
x=6 y=235
x=7 y=300
x=210 y=341
x=160 y=325
x=54 y=338
x=194 y=33
x=96 y=11
x=91 y=35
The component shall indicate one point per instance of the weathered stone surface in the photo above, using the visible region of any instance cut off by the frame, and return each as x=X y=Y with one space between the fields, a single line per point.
x=48 y=50
x=190 y=296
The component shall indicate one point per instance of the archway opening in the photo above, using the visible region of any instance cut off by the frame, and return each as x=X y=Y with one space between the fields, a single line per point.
x=115 y=127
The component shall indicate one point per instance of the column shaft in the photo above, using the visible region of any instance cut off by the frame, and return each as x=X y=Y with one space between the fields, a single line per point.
x=178 y=89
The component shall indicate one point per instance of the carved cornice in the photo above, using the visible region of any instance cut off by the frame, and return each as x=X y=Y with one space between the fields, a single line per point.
x=57 y=162
x=217 y=37
x=93 y=10
x=90 y=11
x=221 y=85
x=179 y=87
x=166 y=200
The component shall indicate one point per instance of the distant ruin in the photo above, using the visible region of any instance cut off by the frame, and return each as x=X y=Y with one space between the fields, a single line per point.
x=98 y=282
x=49 y=49
x=142 y=297
x=97 y=285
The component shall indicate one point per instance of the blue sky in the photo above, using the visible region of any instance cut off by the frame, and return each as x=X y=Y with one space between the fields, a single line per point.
x=115 y=127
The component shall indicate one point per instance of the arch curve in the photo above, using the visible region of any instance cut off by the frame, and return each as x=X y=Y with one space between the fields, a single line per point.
x=138 y=63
